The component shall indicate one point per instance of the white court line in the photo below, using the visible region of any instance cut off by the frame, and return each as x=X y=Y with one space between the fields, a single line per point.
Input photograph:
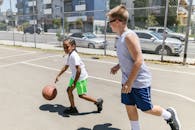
x=7 y=65
x=174 y=71
x=11 y=64
x=108 y=80
x=152 y=68
x=29 y=53
x=162 y=91
x=12 y=49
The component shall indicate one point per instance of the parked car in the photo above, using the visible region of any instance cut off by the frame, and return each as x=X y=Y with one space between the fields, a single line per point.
x=152 y=41
x=31 y=30
x=169 y=33
x=89 y=40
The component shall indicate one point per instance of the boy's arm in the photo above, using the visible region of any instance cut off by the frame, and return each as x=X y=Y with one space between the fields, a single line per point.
x=78 y=73
x=114 y=69
x=134 y=48
x=61 y=72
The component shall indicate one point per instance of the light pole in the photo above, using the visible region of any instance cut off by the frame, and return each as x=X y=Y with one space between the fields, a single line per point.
x=105 y=28
x=34 y=23
x=12 y=21
x=187 y=33
x=63 y=20
x=165 y=26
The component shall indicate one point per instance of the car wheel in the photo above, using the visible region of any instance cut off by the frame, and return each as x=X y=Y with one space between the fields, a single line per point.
x=38 y=31
x=90 y=45
x=167 y=50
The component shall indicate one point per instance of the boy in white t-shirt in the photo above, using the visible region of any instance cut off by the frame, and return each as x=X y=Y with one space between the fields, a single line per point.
x=78 y=78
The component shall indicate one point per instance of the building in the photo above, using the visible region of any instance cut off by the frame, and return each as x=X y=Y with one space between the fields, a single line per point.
x=39 y=11
x=78 y=15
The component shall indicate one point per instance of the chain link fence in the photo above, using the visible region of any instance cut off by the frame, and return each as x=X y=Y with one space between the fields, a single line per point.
x=52 y=30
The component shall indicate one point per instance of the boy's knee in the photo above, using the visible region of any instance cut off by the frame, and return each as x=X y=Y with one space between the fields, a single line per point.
x=81 y=96
x=69 y=90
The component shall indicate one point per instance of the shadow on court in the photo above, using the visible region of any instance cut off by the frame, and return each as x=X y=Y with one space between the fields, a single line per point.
x=60 y=110
x=106 y=126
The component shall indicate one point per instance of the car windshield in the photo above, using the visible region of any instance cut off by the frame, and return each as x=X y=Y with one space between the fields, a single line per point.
x=159 y=36
x=168 y=30
x=89 y=35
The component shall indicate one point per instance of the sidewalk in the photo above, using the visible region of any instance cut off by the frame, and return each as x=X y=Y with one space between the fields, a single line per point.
x=151 y=57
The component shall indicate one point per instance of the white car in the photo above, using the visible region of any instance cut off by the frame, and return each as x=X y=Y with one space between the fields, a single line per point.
x=88 y=40
x=152 y=41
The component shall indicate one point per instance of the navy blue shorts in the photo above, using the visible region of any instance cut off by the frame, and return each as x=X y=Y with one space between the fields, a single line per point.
x=140 y=97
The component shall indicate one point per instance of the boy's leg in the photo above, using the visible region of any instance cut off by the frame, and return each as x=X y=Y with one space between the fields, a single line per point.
x=81 y=87
x=143 y=102
x=133 y=117
x=70 y=96
x=72 y=109
x=98 y=102
x=169 y=115
x=130 y=103
x=70 y=92
x=88 y=98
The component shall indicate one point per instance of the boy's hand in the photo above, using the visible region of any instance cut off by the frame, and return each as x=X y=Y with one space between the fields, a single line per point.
x=114 y=69
x=57 y=79
x=126 y=88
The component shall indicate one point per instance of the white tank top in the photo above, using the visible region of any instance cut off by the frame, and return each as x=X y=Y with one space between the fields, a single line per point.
x=126 y=63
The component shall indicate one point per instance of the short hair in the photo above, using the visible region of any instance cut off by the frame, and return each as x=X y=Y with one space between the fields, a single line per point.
x=119 y=12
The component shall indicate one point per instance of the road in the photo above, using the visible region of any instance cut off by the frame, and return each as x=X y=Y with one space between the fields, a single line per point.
x=25 y=71
x=50 y=38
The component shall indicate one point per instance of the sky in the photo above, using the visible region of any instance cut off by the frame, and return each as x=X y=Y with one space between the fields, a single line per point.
x=6 y=5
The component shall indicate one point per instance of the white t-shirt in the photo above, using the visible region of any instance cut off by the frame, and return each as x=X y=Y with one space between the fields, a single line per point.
x=73 y=60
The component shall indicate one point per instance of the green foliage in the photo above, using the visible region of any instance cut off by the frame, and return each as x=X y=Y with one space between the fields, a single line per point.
x=57 y=22
x=23 y=26
x=79 y=23
x=143 y=16
x=3 y=26
x=141 y=3
x=151 y=21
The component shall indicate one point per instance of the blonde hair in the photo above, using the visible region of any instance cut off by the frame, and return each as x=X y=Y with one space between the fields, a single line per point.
x=119 y=12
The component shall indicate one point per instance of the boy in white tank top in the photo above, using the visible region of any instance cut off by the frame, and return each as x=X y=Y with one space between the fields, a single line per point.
x=136 y=78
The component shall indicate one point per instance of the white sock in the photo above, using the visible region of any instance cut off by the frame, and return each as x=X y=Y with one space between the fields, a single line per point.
x=165 y=114
x=135 y=125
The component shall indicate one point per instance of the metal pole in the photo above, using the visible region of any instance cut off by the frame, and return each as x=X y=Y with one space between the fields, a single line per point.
x=34 y=23
x=105 y=28
x=187 y=33
x=63 y=20
x=12 y=22
x=165 y=26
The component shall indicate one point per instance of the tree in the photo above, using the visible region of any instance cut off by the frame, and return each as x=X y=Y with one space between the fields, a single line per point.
x=172 y=13
x=79 y=23
x=57 y=22
x=141 y=15
x=151 y=21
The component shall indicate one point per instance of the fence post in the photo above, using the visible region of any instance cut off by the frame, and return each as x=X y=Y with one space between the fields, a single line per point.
x=187 y=33
x=164 y=33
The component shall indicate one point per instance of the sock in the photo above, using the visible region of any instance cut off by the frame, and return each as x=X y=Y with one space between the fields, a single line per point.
x=165 y=114
x=135 y=125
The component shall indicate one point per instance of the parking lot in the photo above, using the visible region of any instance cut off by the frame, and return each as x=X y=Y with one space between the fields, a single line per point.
x=25 y=71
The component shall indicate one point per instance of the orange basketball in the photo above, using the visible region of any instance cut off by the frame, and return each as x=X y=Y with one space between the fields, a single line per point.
x=49 y=92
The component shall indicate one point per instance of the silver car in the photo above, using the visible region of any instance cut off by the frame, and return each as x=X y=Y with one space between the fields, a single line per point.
x=89 y=40
x=169 y=33
x=152 y=41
